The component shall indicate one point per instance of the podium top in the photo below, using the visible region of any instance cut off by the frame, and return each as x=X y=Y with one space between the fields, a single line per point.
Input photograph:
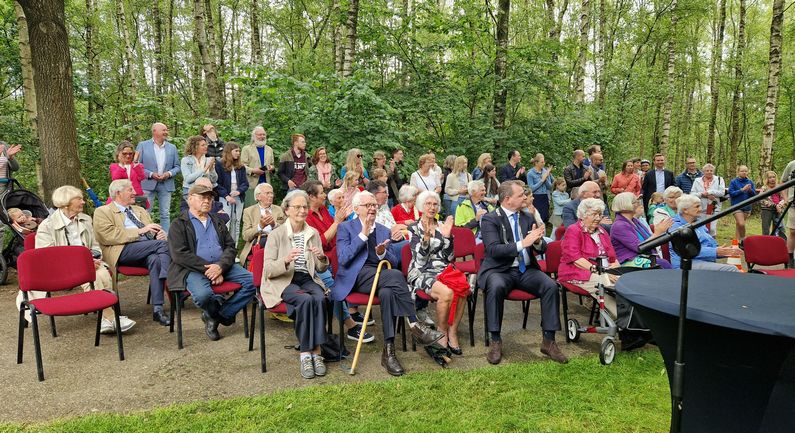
x=749 y=302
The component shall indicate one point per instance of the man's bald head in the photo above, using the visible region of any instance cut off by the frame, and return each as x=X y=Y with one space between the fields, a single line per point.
x=159 y=132
x=590 y=189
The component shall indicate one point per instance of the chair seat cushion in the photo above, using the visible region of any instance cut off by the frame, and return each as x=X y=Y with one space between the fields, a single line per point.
x=78 y=303
x=467 y=267
x=279 y=309
x=422 y=295
x=361 y=299
x=573 y=288
x=519 y=295
x=542 y=264
x=789 y=273
x=226 y=287
x=133 y=271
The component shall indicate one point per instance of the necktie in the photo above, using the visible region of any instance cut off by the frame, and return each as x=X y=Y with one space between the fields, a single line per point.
x=518 y=237
x=138 y=223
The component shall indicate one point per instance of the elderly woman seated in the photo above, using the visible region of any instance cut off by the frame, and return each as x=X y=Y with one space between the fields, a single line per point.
x=628 y=232
x=689 y=207
x=432 y=252
x=293 y=260
x=670 y=195
x=68 y=225
x=469 y=211
x=404 y=212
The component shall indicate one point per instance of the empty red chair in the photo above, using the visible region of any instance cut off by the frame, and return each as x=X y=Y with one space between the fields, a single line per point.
x=767 y=251
x=30 y=241
x=463 y=247
x=57 y=269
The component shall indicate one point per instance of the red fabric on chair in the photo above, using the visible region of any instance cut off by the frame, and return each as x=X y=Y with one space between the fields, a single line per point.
x=225 y=287
x=133 y=271
x=573 y=288
x=355 y=298
x=55 y=268
x=765 y=251
x=30 y=241
x=73 y=305
x=255 y=266
x=787 y=273
x=553 y=254
x=559 y=232
x=464 y=245
x=518 y=295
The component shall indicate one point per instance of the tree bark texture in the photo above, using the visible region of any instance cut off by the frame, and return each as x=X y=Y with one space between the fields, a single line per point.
x=210 y=78
x=128 y=50
x=256 y=42
x=350 y=46
x=714 y=83
x=501 y=68
x=157 y=23
x=579 y=68
x=669 y=99
x=734 y=132
x=52 y=77
x=773 y=76
x=28 y=87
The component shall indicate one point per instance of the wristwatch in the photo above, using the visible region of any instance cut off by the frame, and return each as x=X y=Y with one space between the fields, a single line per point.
x=593 y=269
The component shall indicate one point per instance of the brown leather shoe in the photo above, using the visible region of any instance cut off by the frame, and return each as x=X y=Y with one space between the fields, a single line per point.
x=425 y=335
x=495 y=352
x=550 y=349
x=390 y=361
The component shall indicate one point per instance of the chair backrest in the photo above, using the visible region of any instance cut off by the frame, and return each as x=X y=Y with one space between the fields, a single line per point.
x=765 y=250
x=666 y=251
x=30 y=241
x=553 y=254
x=55 y=268
x=480 y=254
x=463 y=242
x=559 y=232
x=255 y=265
x=405 y=259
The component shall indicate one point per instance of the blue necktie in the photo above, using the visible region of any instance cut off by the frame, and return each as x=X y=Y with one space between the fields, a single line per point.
x=517 y=237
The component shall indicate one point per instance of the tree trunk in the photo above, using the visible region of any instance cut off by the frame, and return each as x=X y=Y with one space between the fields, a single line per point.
x=256 y=42
x=91 y=73
x=714 y=83
x=52 y=78
x=773 y=75
x=601 y=57
x=214 y=49
x=501 y=70
x=734 y=132
x=128 y=50
x=336 y=42
x=579 y=69
x=350 y=46
x=210 y=78
x=669 y=99
x=158 y=42
x=553 y=36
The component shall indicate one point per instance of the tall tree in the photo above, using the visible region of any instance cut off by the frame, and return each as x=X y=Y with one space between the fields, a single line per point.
x=714 y=82
x=579 y=68
x=669 y=99
x=121 y=18
x=92 y=66
x=208 y=66
x=215 y=51
x=52 y=78
x=739 y=86
x=256 y=42
x=601 y=55
x=773 y=75
x=157 y=23
x=501 y=68
x=350 y=30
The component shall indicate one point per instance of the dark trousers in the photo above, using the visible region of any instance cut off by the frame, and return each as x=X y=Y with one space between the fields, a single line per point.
x=306 y=305
x=152 y=254
x=541 y=202
x=393 y=293
x=533 y=281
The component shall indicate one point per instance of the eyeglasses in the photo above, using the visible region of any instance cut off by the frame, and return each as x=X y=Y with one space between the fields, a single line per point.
x=204 y=197
x=299 y=207
x=128 y=153
x=369 y=205
x=431 y=204
x=595 y=215
x=359 y=156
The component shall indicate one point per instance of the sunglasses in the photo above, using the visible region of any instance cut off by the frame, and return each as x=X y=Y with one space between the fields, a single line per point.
x=358 y=156
x=128 y=153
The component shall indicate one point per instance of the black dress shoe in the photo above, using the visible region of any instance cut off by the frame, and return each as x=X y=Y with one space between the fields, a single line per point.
x=161 y=317
x=210 y=327
x=425 y=335
x=390 y=361
x=455 y=350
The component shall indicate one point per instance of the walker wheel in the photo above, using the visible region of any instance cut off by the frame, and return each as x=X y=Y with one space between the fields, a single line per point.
x=607 y=352
x=573 y=330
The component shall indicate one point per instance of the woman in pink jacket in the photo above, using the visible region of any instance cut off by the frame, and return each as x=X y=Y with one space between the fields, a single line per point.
x=127 y=167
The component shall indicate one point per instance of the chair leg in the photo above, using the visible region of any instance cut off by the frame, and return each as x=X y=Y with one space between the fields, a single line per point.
x=329 y=314
x=179 y=326
x=564 y=302
x=173 y=299
x=21 y=336
x=119 y=343
x=472 y=305
x=402 y=329
x=149 y=296
x=245 y=322
x=252 y=324
x=485 y=322
x=413 y=341
x=526 y=307
x=261 y=309
x=37 y=346
x=99 y=323
x=338 y=306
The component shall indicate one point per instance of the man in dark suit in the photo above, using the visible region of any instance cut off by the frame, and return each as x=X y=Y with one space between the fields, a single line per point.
x=510 y=238
x=656 y=180
x=361 y=245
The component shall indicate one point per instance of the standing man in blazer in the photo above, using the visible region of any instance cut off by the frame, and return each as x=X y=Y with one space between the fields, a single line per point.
x=161 y=164
x=656 y=180
x=361 y=245
x=511 y=237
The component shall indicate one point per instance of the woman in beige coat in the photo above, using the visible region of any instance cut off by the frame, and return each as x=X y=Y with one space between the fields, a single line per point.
x=293 y=259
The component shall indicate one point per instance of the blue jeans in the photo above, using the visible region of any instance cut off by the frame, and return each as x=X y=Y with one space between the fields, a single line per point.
x=199 y=287
x=163 y=202
x=328 y=281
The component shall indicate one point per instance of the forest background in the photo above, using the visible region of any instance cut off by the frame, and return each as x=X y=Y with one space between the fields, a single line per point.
x=694 y=77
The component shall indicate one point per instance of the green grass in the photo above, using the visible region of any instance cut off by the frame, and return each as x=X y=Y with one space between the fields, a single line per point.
x=583 y=396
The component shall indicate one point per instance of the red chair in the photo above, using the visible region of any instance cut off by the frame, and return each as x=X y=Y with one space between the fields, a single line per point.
x=767 y=251
x=30 y=241
x=255 y=267
x=177 y=297
x=554 y=252
x=664 y=248
x=131 y=271
x=56 y=269
x=464 y=247
x=559 y=232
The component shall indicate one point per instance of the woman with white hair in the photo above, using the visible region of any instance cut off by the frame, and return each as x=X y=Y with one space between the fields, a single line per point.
x=260 y=219
x=469 y=212
x=404 y=212
x=68 y=225
x=293 y=260
x=431 y=253
x=689 y=208
x=670 y=195
x=710 y=189
x=627 y=232
x=258 y=158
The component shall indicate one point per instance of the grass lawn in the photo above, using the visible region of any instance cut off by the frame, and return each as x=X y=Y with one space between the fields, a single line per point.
x=629 y=396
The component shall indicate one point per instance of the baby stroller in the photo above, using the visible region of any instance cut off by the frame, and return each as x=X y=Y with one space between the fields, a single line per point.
x=16 y=197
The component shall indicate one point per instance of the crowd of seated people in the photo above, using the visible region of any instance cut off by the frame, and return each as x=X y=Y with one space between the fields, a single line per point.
x=337 y=223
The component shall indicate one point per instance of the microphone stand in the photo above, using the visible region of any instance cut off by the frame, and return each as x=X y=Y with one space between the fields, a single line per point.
x=685 y=242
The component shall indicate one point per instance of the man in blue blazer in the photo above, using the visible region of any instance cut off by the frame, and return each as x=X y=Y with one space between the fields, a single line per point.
x=361 y=245
x=161 y=164
x=511 y=238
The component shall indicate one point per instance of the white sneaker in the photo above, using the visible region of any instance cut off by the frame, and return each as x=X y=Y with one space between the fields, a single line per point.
x=109 y=326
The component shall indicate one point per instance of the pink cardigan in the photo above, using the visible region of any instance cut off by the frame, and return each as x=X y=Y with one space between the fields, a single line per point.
x=136 y=175
x=627 y=182
x=578 y=244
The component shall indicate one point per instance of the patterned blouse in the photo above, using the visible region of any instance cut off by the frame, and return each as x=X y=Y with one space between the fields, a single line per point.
x=428 y=258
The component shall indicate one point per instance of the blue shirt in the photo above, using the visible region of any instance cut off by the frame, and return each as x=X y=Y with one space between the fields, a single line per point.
x=208 y=246
x=709 y=246
x=738 y=195
x=659 y=176
x=537 y=185
x=261 y=152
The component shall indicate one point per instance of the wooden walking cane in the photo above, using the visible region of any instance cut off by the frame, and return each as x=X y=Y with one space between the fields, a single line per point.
x=367 y=314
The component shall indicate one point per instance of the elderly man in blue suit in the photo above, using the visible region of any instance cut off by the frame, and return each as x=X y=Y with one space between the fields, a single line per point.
x=161 y=164
x=361 y=245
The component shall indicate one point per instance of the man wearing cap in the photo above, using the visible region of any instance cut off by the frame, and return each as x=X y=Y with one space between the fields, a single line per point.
x=203 y=254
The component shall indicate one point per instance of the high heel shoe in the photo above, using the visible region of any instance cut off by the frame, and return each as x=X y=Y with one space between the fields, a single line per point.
x=455 y=350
